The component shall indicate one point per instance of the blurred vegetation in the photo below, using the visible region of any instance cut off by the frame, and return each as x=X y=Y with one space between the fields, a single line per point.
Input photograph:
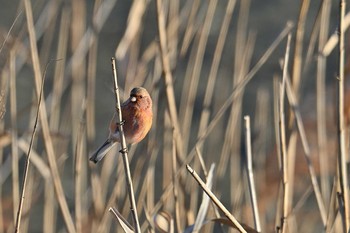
x=210 y=64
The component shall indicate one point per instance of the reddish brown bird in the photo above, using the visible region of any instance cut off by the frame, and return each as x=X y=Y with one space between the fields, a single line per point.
x=137 y=116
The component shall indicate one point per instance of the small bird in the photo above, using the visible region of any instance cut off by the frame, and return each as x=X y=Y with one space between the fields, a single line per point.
x=137 y=117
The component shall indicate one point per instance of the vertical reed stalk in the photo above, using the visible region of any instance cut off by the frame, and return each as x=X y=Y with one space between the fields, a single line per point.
x=321 y=102
x=283 y=141
x=343 y=173
x=175 y=190
x=14 y=134
x=27 y=163
x=79 y=173
x=251 y=182
x=124 y=152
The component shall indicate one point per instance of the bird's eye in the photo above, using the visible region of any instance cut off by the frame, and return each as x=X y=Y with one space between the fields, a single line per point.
x=140 y=96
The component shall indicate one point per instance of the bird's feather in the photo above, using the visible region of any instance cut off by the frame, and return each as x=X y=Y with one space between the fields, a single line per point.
x=102 y=151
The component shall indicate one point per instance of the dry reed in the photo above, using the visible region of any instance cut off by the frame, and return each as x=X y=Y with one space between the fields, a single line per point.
x=206 y=64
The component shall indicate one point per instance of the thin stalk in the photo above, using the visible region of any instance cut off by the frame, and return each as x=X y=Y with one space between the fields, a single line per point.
x=277 y=130
x=283 y=142
x=175 y=189
x=321 y=102
x=215 y=199
x=79 y=172
x=27 y=162
x=14 y=134
x=343 y=174
x=124 y=152
x=251 y=175
x=298 y=50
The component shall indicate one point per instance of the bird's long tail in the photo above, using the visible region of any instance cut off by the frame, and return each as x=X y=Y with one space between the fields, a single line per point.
x=102 y=151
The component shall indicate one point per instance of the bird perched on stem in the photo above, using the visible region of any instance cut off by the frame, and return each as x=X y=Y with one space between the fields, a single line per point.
x=137 y=121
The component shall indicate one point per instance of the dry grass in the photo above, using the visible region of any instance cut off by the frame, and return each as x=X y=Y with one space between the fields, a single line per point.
x=201 y=62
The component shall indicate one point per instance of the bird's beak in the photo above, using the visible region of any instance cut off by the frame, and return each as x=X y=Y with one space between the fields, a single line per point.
x=133 y=99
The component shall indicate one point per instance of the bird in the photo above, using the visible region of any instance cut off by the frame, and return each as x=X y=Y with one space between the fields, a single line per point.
x=137 y=121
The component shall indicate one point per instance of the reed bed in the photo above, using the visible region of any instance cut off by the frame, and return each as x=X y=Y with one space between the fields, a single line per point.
x=250 y=116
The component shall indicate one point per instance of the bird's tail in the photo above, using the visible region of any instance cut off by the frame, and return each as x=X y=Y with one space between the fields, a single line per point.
x=102 y=151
